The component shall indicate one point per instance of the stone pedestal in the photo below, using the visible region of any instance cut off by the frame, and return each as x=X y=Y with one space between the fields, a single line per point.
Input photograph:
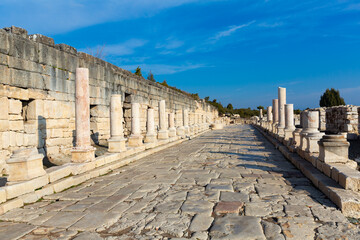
x=334 y=149
x=310 y=134
x=83 y=151
x=135 y=139
x=25 y=164
x=289 y=121
x=151 y=135
x=163 y=132
x=172 y=129
x=296 y=137
x=117 y=140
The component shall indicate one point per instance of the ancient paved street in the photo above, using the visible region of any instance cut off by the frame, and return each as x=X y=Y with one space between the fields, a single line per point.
x=226 y=184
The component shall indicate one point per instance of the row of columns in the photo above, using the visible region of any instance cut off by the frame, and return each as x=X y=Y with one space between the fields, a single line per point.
x=306 y=139
x=83 y=151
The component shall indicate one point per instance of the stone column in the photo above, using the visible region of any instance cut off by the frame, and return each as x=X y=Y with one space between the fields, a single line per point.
x=150 y=127
x=172 y=129
x=117 y=140
x=269 y=118
x=83 y=151
x=310 y=134
x=135 y=139
x=275 y=105
x=180 y=131
x=282 y=102
x=186 y=121
x=289 y=121
x=163 y=132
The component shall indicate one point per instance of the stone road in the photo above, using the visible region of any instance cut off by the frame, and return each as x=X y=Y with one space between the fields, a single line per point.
x=225 y=184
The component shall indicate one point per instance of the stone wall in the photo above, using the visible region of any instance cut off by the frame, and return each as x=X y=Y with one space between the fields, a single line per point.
x=338 y=119
x=37 y=94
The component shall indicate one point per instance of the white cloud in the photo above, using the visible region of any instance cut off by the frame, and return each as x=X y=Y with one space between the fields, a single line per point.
x=170 y=44
x=126 y=48
x=230 y=31
x=53 y=17
x=159 y=69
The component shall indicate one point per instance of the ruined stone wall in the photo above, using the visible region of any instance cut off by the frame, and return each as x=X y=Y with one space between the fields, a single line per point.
x=339 y=119
x=37 y=95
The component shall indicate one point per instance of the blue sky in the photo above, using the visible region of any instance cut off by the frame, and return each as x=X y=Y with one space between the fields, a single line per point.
x=236 y=51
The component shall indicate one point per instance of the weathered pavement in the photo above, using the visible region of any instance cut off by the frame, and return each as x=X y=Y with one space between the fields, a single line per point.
x=227 y=184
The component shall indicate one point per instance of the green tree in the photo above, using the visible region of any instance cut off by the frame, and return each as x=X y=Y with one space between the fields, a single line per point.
x=230 y=106
x=331 y=98
x=297 y=111
x=260 y=107
x=138 y=71
x=150 y=76
x=207 y=98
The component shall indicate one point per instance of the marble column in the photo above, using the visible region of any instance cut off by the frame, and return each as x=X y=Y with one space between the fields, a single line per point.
x=163 y=132
x=150 y=127
x=275 y=105
x=186 y=121
x=269 y=118
x=83 y=151
x=282 y=102
x=135 y=139
x=172 y=129
x=180 y=130
x=289 y=121
x=314 y=135
x=117 y=140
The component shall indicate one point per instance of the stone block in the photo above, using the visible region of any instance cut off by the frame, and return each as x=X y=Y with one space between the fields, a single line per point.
x=16 y=125
x=4 y=140
x=2 y=195
x=58 y=172
x=15 y=106
x=25 y=164
x=21 y=188
x=30 y=140
x=35 y=110
x=4 y=108
x=9 y=205
x=83 y=155
x=349 y=179
x=4 y=125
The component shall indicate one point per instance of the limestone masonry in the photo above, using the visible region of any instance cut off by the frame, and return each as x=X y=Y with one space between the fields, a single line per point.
x=37 y=97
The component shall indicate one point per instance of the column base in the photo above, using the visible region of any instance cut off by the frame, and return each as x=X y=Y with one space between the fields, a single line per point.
x=117 y=145
x=180 y=131
x=303 y=141
x=172 y=132
x=312 y=142
x=163 y=134
x=135 y=141
x=80 y=155
x=288 y=133
x=281 y=131
x=150 y=138
x=187 y=130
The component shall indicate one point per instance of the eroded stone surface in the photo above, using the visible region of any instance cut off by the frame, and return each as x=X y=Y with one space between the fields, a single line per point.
x=173 y=194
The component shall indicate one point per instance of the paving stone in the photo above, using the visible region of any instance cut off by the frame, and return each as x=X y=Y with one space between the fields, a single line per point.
x=88 y=236
x=201 y=222
x=96 y=221
x=194 y=207
x=220 y=187
x=234 y=196
x=257 y=209
x=63 y=219
x=237 y=227
x=15 y=231
x=228 y=207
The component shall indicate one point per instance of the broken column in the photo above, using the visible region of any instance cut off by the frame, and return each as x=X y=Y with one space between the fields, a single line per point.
x=333 y=148
x=172 y=129
x=25 y=164
x=275 y=106
x=163 y=132
x=289 y=121
x=117 y=140
x=135 y=139
x=150 y=127
x=282 y=102
x=83 y=151
x=315 y=135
